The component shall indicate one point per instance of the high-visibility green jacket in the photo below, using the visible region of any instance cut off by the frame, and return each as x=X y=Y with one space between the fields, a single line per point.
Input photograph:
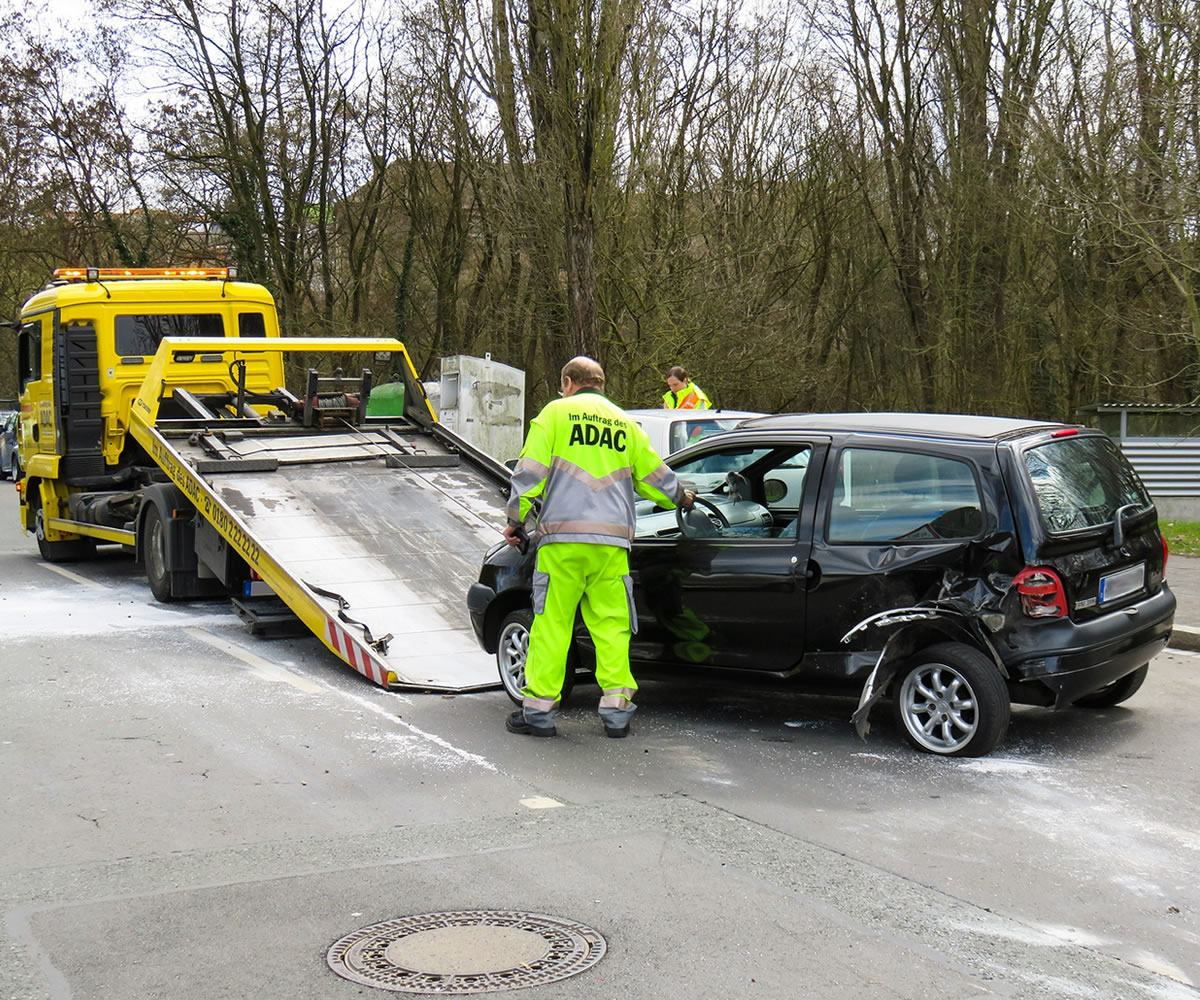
x=690 y=397
x=586 y=458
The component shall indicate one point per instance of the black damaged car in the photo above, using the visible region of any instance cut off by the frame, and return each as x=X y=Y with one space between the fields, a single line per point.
x=952 y=565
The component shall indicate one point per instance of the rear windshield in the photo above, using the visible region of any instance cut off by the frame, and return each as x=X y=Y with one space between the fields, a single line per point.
x=1081 y=481
x=140 y=335
x=686 y=432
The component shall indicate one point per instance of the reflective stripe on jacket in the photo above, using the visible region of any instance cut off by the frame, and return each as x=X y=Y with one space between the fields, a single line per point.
x=586 y=459
x=690 y=397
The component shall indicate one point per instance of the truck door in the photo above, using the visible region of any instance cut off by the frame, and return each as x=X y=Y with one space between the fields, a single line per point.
x=729 y=591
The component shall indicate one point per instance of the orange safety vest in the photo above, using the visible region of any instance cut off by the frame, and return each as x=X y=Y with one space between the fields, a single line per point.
x=690 y=397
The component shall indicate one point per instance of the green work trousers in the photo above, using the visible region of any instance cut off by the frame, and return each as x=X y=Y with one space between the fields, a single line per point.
x=595 y=579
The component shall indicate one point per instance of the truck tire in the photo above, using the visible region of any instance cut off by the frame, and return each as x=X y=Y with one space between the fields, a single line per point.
x=154 y=548
x=70 y=550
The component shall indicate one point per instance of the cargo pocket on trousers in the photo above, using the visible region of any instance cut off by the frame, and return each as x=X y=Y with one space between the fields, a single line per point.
x=633 y=622
x=541 y=583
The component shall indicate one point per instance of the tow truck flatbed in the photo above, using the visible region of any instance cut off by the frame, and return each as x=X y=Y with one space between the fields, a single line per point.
x=369 y=533
x=366 y=536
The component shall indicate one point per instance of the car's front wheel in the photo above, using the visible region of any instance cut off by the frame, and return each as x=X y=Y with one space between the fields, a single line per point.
x=512 y=648
x=1118 y=691
x=951 y=700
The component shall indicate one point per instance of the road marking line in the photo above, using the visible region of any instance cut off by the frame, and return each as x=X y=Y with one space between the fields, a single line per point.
x=466 y=755
x=73 y=577
x=264 y=669
x=273 y=672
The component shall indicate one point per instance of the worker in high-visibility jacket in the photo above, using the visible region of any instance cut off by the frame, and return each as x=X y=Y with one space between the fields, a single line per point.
x=682 y=393
x=585 y=458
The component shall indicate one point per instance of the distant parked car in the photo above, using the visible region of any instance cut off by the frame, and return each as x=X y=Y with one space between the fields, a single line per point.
x=10 y=462
x=956 y=564
x=672 y=430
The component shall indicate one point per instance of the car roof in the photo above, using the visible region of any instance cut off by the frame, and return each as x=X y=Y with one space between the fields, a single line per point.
x=939 y=425
x=662 y=413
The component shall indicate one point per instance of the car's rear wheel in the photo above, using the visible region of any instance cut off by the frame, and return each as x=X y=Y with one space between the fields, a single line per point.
x=512 y=648
x=951 y=701
x=1118 y=691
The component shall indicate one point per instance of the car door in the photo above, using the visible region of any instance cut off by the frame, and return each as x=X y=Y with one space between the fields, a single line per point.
x=729 y=590
x=894 y=519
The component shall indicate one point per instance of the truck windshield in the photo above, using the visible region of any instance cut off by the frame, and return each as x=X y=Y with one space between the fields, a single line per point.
x=1081 y=481
x=140 y=335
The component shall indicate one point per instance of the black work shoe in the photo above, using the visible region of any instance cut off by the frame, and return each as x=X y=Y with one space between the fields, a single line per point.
x=516 y=723
x=617 y=733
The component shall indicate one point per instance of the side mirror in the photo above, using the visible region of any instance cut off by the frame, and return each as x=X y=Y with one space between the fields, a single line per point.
x=774 y=490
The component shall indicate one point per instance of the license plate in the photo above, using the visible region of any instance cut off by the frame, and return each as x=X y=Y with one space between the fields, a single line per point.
x=1122 y=583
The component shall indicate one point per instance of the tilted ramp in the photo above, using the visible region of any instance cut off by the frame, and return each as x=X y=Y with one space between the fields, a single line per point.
x=371 y=536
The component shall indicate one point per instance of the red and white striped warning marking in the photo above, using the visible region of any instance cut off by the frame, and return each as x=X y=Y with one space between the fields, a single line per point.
x=347 y=647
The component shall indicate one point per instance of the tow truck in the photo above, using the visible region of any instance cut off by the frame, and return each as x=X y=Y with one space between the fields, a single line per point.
x=155 y=416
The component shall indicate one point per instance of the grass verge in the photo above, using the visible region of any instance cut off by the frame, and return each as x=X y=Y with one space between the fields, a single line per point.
x=1183 y=537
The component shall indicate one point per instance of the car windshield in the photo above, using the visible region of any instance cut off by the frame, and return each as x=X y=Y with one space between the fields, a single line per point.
x=685 y=432
x=1080 y=482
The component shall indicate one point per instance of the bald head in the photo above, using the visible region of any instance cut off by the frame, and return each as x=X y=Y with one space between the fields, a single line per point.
x=582 y=373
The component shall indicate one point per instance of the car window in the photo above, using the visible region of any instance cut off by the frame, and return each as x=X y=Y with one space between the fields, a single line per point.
x=745 y=492
x=685 y=432
x=1081 y=481
x=885 y=496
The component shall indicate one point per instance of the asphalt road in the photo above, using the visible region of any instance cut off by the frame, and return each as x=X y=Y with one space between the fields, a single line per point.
x=191 y=812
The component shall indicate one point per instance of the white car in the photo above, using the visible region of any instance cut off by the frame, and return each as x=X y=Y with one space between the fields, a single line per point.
x=672 y=430
x=10 y=462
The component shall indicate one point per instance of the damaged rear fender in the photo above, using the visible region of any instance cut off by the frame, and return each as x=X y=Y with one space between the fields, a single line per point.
x=915 y=628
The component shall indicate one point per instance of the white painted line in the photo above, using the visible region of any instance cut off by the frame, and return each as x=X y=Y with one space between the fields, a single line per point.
x=541 y=802
x=466 y=755
x=275 y=673
x=264 y=669
x=73 y=577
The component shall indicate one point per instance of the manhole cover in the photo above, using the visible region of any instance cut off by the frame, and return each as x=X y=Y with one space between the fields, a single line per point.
x=466 y=951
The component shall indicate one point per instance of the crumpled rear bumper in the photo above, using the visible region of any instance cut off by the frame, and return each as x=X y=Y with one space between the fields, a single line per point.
x=1073 y=659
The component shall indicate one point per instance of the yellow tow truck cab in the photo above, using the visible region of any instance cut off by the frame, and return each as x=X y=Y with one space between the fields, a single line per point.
x=155 y=415
x=84 y=348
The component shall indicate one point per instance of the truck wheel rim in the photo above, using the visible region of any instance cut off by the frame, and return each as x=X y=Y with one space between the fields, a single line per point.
x=155 y=558
x=939 y=708
x=512 y=650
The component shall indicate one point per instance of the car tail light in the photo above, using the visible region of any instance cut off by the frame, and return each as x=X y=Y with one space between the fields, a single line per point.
x=1042 y=593
x=1165 y=554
